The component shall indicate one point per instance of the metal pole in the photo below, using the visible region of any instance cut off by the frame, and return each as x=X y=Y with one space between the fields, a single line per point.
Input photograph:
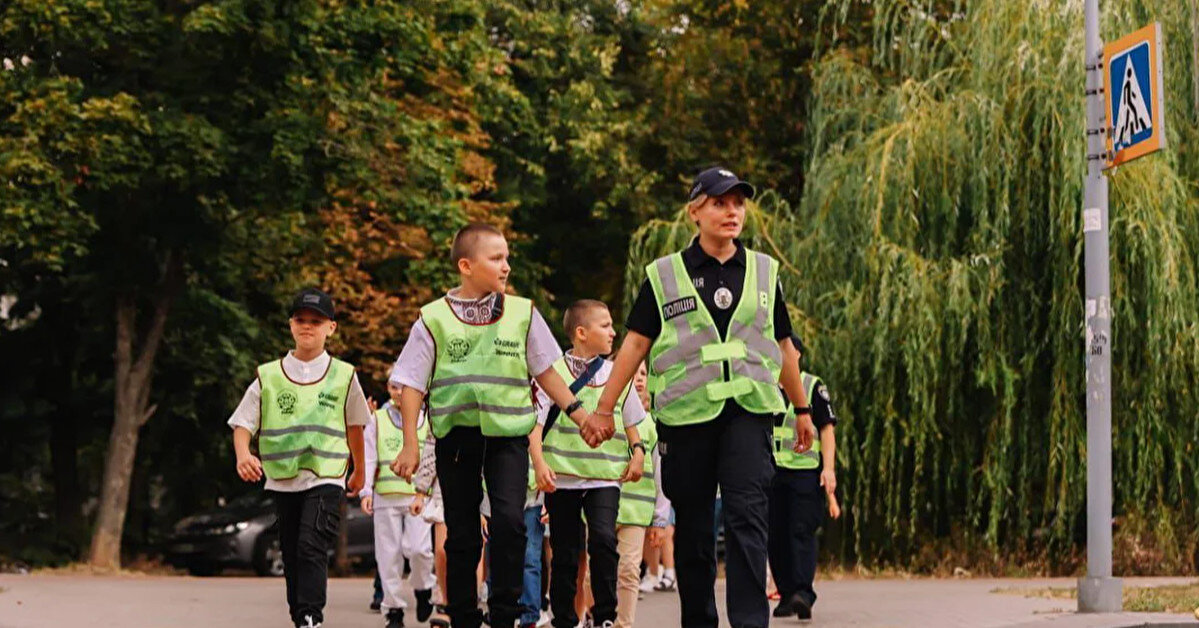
x=1098 y=591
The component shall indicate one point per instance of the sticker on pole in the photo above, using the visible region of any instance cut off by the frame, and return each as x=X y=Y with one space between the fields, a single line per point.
x=1133 y=84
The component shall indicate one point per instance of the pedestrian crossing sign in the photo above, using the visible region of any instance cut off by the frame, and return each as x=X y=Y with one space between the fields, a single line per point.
x=1133 y=85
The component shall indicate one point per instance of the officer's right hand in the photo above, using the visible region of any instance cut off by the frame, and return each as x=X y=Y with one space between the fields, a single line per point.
x=407 y=461
x=368 y=505
x=249 y=468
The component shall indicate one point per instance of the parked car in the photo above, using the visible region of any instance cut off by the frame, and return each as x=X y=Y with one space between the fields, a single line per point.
x=242 y=533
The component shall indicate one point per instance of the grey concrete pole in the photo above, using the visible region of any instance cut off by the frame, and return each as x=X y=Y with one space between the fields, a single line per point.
x=1098 y=591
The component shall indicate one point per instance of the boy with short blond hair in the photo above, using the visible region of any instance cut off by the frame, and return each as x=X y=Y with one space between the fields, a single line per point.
x=308 y=412
x=581 y=479
x=471 y=356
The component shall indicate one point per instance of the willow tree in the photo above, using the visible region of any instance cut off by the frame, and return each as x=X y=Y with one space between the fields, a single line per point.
x=934 y=266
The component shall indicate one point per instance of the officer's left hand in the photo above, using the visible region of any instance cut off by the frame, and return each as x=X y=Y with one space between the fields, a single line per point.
x=354 y=484
x=632 y=473
x=805 y=433
x=828 y=479
x=653 y=536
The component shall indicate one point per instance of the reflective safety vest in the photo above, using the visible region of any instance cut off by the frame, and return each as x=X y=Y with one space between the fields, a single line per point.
x=303 y=426
x=784 y=436
x=565 y=450
x=637 y=499
x=480 y=374
x=389 y=440
x=692 y=369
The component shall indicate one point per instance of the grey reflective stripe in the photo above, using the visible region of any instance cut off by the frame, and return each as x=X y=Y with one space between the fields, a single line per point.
x=639 y=498
x=567 y=428
x=296 y=429
x=490 y=409
x=583 y=455
x=480 y=379
x=696 y=374
x=296 y=453
x=755 y=338
x=809 y=384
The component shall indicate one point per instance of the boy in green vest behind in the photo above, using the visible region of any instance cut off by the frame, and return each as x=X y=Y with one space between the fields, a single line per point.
x=308 y=411
x=579 y=479
x=471 y=356
x=399 y=533
x=801 y=483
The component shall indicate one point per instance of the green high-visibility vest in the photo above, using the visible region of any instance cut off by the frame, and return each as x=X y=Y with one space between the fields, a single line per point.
x=304 y=425
x=565 y=450
x=389 y=440
x=480 y=376
x=637 y=499
x=784 y=436
x=692 y=369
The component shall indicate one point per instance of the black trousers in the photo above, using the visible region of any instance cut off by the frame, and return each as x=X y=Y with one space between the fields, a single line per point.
x=734 y=452
x=464 y=458
x=308 y=526
x=796 y=513
x=565 y=508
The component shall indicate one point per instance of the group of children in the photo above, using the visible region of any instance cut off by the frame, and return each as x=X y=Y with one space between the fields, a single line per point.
x=464 y=430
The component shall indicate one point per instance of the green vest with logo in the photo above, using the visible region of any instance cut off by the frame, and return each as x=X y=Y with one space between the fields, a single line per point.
x=784 y=436
x=303 y=426
x=565 y=450
x=692 y=369
x=637 y=499
x=389 y=439
x=480 y=376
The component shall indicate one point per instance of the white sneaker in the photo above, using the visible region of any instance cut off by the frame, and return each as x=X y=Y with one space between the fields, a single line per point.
x=648 y=583
x=544 y=620
x=308 y=623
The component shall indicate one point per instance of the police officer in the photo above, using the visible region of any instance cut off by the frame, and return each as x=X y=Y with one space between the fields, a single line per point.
x=797 y=499
x=712 y=321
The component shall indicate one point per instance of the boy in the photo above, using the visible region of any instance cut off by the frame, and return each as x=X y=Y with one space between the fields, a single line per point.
x=796 y=511
x=399 y=534
x=579 y=479
x=308 y=412
x=472 y=353
x=644 y=512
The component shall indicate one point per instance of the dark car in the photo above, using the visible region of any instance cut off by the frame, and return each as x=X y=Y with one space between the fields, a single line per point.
x=242 y=533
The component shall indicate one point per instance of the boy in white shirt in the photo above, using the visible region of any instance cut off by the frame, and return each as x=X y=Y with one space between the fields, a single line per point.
x=399 y=533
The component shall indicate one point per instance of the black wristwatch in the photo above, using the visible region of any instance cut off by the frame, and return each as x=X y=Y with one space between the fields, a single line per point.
x=638 y=445
x=804 y=410
x=569 y=410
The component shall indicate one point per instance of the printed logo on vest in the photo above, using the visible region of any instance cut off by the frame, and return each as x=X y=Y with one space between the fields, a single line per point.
x=458 y=348
x=678 y=307
x=393 y=443
x=763 y=299
x=508 y=348
x=328 y=400
x=287 y=402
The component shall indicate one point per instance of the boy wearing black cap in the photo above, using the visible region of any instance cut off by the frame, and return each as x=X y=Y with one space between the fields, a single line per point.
x=713 y=325
x=308 y=412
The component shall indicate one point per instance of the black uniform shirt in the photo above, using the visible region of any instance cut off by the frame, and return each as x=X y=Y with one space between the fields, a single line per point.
x=708 y=275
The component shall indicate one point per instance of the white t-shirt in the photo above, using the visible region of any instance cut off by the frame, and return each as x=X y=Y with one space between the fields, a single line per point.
x=414 y=367
x=371 y=441
x=631 y=411
x=249 y=414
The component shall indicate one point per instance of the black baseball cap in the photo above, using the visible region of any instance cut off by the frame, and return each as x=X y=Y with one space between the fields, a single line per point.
x=716 y=181
x=798 y=345
x=315 y=300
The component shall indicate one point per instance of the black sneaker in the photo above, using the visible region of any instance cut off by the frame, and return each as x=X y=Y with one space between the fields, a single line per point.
x=440 y=619
x=424 y=604
x=785 y=609
x=395 y=618
x=803 y=608
x=376 y=604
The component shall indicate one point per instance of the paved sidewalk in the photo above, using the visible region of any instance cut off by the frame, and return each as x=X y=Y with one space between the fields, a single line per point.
x=73 y=600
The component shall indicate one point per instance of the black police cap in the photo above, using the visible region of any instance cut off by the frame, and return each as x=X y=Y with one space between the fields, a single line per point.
x=315 y=300
x=716 y=181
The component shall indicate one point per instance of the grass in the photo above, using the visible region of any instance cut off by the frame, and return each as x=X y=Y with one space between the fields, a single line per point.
x=1170 y=598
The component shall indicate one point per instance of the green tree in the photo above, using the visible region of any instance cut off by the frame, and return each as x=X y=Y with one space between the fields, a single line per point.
x=169 y=162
